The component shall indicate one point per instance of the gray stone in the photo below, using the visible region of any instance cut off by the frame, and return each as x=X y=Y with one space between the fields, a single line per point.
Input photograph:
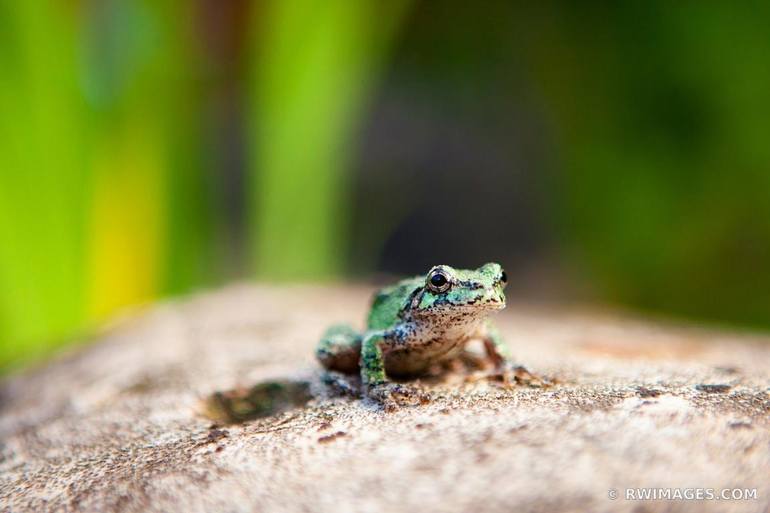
x=120 y=423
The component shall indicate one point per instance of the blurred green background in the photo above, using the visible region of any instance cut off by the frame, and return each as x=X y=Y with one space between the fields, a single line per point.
x=615 y=153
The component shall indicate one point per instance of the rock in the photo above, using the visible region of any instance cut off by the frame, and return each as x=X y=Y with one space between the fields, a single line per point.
x=125 y=423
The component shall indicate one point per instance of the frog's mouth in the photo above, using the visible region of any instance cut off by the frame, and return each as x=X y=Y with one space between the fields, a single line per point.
x=478 y=304
x=469 y=312
x=493 y=298
x=494 y=304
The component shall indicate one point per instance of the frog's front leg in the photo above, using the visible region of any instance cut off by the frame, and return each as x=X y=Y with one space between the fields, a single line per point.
x=495 y=347
x=498 y=352
x=373 y=376
x=372 y=358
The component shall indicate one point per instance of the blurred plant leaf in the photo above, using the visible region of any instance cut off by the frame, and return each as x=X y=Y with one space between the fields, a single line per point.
x=44 y=186
x=315 y=63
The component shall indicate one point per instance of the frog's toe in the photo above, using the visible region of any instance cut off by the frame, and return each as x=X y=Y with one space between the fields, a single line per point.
x=511 y=374
x=393 y=395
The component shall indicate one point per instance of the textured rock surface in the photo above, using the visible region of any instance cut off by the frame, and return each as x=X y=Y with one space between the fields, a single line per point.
x=117 y=425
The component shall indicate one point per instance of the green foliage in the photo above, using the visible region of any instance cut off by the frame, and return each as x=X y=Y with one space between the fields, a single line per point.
x=95 y=148
x=662 y=185
x=43 y=184
x=313 y=72
x=103 y=200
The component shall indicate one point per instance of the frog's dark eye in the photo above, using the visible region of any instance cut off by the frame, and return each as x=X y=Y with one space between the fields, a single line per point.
x=503 y=277
x=438 y=281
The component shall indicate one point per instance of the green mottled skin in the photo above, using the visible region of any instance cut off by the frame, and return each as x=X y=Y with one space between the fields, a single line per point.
x=411 y=326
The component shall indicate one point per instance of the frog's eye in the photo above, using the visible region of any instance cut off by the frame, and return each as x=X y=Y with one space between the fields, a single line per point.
x=503 y=278
x=438 y=281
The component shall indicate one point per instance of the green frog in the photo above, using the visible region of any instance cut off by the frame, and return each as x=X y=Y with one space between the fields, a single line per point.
x=417 y=323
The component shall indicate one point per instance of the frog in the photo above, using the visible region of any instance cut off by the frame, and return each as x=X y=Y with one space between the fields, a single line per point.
x=419 y=322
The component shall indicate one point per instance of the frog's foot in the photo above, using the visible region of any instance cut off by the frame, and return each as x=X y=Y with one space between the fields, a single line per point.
x=392 y=395
x=341 y=384
x=468 y=361
x=510 y=374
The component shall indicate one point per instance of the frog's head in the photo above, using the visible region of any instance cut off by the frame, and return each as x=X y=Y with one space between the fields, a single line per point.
x=469 y=294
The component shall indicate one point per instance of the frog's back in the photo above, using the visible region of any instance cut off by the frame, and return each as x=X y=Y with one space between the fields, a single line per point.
x=388 y=302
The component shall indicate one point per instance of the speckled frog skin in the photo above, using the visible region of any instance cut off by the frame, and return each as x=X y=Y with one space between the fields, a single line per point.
x=418 y=322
